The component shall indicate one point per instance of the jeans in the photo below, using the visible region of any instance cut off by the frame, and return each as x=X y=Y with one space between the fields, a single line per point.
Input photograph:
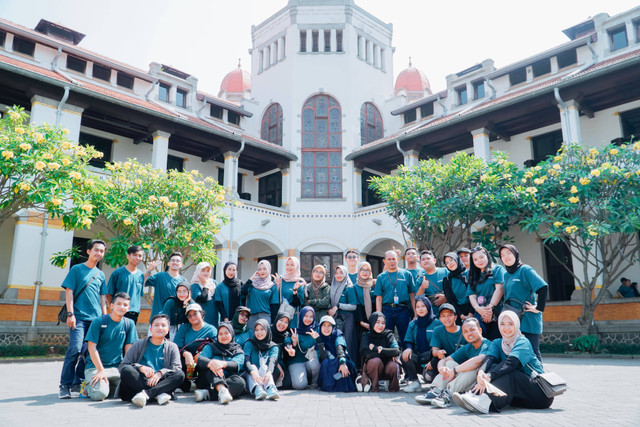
x=397 y=317
x=72 y=368
x=300 y=373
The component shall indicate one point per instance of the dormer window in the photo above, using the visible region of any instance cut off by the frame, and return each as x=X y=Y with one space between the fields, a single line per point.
x=181 y=98
x=618 y=38
x=410 y=116
x=76 y=64
x=216 y=111
x=541 y=68
x=233 y=118
x=23 y=46
x=462 y=95
x=426 y=110
x=478 y=90
x=124 y=80
x=163 y=92
x=518 y=76
x=566 y=59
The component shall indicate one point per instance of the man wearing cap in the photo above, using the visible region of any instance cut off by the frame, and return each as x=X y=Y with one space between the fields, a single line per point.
x=240 y=325
x=445 y=340
x=465 y=258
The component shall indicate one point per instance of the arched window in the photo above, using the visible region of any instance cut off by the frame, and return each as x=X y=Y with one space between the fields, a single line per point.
x=321 y=148
x=370 y=123
x=271 y=129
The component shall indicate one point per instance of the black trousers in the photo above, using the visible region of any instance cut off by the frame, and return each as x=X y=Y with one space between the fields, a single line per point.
x=522 y=392
x=133 y=382
x=208 y=380
x=534 y=339
x=414 y=364
x=133 y=316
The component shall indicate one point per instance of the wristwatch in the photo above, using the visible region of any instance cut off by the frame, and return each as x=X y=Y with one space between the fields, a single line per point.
x=70 y=314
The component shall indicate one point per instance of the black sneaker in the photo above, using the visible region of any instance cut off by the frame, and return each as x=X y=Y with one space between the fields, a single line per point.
x=64 y=393
x=443 y=401
x=426 y=399
x=75 y=390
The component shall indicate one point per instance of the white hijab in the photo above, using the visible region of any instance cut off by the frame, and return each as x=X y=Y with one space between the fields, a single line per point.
x=509 y=342
x=210 y=284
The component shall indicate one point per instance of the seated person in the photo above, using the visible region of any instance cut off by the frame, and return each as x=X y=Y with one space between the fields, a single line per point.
x=220 y=363
x=457 y=372
x=379 y=349
x=445 y=340
x=109 y=336
x=176 y=308
x=508 y=366
x=260 y=358
x=304 y=365
x=337 y=371
x=151 y=369
x=281 y=336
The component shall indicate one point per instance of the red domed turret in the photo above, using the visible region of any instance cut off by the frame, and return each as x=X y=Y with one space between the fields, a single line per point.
x=412 y=81
x=237 y=81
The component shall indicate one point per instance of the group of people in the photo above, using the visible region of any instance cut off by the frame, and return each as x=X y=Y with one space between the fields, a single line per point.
x=627 y=289
x=456 y=328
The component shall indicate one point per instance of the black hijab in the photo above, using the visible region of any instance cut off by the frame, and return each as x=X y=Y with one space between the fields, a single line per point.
x=239 y=328
x=476 y=276
x=422 y=323
x=277 y=336
x=226 y=350
x=459 y=269
x=266 y=343
x=516 y=265
x=382 y=339
x=234 y=286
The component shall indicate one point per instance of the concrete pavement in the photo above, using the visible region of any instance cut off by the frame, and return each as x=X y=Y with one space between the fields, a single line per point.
x=602 y=392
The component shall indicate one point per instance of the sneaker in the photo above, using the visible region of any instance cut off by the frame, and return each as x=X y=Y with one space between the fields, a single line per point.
x=443 y=401
x=478 y=403
x=413 y=387
x=259 y=393
x=426 y=399
x=225 y=397
x=84 y=394
x=359 y=384
x=457 y=398
x=272 y=393
x=140 y=399
x=75 y=390
x=201 y=394
x=163 y=398
x=65 y=392
x=383 y=385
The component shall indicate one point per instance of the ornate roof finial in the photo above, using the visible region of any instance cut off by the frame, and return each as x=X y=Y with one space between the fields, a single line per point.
x=239 y=62
x=409 y=62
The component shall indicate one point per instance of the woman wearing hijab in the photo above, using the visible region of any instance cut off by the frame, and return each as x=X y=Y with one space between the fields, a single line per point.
x=262 y=295
x=521 y=285
x=337 y=371
x=175 y=307
x=485 y=291
x=220 y=363
x=365 y=299
x=417 y=342
x=508 y=366
x=227 y=295
x=281 y=336
x=240 y=325
x=260 y=358
x=203 y=288
x=305 y=363
x=291 y=283
x=343 y=304
x=379 y=349
x=455 y=286
x=317 y=292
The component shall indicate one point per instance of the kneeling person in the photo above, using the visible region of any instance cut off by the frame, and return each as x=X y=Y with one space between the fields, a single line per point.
x=457 y=372
x=109 y=337
x=151 y=368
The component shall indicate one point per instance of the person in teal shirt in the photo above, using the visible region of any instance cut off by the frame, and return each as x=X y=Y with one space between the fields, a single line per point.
x=228 y=292
x=351 y=260
x=130 y=280
x=343 y=305
x=445 y=340
x=486 y=291
x=521 y=286
x=203 y=289
x=240 y=323
x=412 y=265
x=164 y=284
x=221 y=364
x=455 y=286
x=262 y=295
x=260 y=358
x=176 y=308
x=109 y=337
x=508 y=365
x=291 y=284
x=430 y=283
x=305 y=363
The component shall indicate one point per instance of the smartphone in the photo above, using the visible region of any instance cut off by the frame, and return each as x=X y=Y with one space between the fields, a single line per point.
x=337 y=375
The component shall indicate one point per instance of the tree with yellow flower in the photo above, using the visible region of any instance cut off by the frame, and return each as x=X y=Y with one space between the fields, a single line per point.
x=40 y=169
x=591 y=204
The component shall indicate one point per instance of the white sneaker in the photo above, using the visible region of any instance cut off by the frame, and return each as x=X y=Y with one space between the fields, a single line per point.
x=479 y=403
x=457 y=398
x=163 y=398
x=358 y=383
x=201 y=394
x=140 y=399
x=413 y=387
x=224 y=396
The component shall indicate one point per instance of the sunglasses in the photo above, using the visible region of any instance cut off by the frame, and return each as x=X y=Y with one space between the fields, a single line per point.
x=477 y=248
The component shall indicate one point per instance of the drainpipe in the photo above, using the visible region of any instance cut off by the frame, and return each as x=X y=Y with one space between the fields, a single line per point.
x=38 y=281
x=594 y=59
x=234 y=187
x=404 y=153
x=61 y=104
x=146 y=95
x=54 y=67
x=493 y=89
x=564 y=113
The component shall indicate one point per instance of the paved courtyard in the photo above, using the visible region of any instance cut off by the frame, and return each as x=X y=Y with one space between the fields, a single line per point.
x=602 y=392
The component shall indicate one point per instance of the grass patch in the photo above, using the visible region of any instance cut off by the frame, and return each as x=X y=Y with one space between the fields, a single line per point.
x=18 y=351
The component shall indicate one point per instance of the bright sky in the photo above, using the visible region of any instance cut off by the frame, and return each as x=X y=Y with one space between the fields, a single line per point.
x=206 y=37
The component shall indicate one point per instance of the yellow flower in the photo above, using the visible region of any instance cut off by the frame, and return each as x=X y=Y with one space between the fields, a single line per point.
x=562 y=182
x=153 y=199
x=173 y=204
x=143 y=211
x=54 y=166
x=14 y=116
x=65 y=131
x=506 y=176
x=593 y=152
x=75 y=175
x=584 y=181
x=40 y=165
x=540 y=180
x=127 y=165
x=613 y=151
x=185 y=203
x=556 y=167
x=7 y=154
x=188 y=237
x=25 y=147
x=146 y=245
x=86 y=222
x=593 y=233
x=606 y=165
x=163 y=199
x=552 y=204
x=20 y=131
x=531 y=190
x=571 y=229
x=574 y=189
x=40 y=138
x=137 y=181
x=47 y=156
x=127 y=221
x=24 y=186
x=574 y=199
x=56 y=202
x=557 y=223
x=595 y=172
x=66 y=162
x=86 y=208
x=557 y=159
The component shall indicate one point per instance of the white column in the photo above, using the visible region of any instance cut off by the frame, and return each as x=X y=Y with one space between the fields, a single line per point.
x=357 y=187
x=283 y=47
x=334 y=41
x=309 y=40
x=229 y=169
x=573 y=117
x=412 y=158
x=320 y=40
x=160 y=150
x=361 y=47
x=481 y=147
x=286 y=187
x=45 y=110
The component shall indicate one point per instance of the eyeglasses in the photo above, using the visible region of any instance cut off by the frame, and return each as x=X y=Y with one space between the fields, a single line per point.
x=192 y=315
x=352 y=256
